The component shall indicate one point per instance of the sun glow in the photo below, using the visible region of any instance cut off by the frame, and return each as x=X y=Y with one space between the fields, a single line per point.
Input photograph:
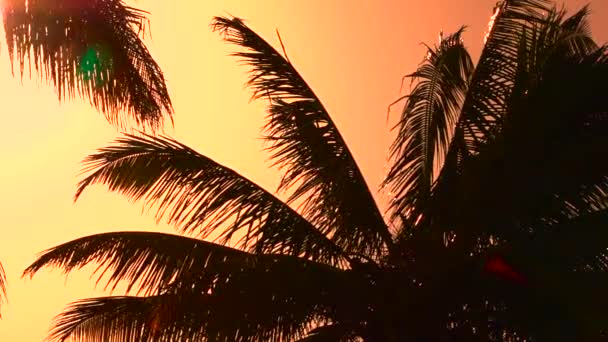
x=491 y=23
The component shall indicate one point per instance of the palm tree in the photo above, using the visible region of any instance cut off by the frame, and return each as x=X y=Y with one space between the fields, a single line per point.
x=495 y=230
x=93 y=49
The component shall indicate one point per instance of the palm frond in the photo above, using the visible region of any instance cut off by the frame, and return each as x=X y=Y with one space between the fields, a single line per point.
x=152 y=262
x=538 y=27
x=491 y=84
x=145 y=261
x=556 y=38
x=427 y=123
x=111 y=319
x=484 y=106
x=163 y=318
x=542 y=115
x=198 y=289
x=91 y=49
x=199 y=195
x=175 y=317
x=574 y=35
x=558 y=117
x=306 y=143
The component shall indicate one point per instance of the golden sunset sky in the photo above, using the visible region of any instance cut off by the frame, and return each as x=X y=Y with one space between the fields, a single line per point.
x=352 y=52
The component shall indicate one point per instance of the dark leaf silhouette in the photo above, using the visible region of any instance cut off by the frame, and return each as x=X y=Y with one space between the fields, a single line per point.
x=431 y=111
x=142 y=260
x=92 y=49
x=305 y=142
x=199 y=195
x=196 y=287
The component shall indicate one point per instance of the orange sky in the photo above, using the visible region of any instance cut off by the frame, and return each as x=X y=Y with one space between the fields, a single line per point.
x=353 y=54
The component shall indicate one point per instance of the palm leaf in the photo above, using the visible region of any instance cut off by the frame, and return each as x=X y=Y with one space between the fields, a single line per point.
x=493 y=80
x=172 y=317
x=126 y=319
x=198 y=194
x=306 y=143
x=570 y=36
x=150 y=262
x=92 y=49
x=485 y=103
x=204 y=289
x=557 y=117
x=544 y=115
x=427 y=123
x=112 y=319
x=144 y=261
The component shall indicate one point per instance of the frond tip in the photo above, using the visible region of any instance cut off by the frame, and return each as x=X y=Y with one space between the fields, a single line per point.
x=91 y=49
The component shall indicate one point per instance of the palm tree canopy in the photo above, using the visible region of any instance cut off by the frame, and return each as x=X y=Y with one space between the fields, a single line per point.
x=93 y=49
x=497 y=223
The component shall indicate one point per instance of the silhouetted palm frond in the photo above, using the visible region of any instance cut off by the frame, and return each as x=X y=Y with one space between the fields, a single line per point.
x=199 y=195
x=90 y=48
x=166 y=318
x=172 y=317
x=306 y=143
x=427 y=123
x=491 y=84
x=563 y=36
x=144 y=261
x=487 y=99
x=536 y=173
x=537 y=116
x=205 y=290
x=485 y=105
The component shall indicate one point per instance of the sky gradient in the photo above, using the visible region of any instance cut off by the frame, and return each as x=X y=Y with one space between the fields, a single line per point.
x=352 y=53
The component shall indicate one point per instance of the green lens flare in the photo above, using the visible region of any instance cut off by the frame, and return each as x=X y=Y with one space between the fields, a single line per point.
x=95 y=65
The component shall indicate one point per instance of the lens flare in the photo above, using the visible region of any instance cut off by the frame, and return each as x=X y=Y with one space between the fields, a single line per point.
x=95 y=65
